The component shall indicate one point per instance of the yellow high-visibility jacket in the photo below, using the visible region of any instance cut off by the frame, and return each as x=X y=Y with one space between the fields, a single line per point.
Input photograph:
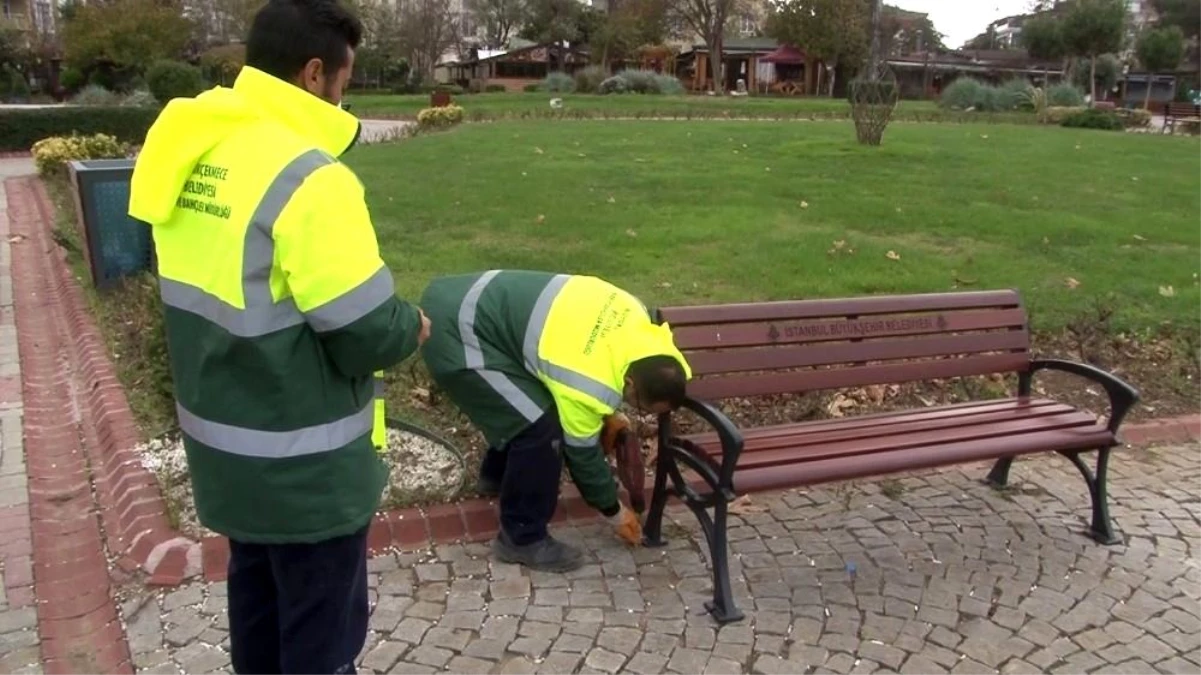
x=279 y=311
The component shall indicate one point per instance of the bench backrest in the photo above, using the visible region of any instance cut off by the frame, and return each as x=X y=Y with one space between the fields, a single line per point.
x=768 y=348
x=1182 y=109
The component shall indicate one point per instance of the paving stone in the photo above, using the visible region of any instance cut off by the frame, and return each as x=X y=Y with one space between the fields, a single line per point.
x=429 y=656
x=487 y=649
x=469 y=666
x=529 y=646
x=604 y=660
x=722 y=666
x=384 y=655
x=688 y=661
x=512 y=587
x=557 y=663
x=411 y=630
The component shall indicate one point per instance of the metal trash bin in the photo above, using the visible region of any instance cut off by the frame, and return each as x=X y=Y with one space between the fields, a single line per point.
x=115 y=244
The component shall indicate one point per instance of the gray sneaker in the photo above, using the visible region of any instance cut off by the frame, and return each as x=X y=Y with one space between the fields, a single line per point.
x=546 y=555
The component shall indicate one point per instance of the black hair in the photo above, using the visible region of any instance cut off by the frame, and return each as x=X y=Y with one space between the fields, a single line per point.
x=658 y=379
x=287 y=34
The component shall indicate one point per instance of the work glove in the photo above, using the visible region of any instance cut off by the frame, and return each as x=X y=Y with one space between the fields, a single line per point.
x=614 y=425
x=626 y=526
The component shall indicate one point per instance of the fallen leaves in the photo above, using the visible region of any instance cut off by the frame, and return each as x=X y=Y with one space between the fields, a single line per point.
x=840 y=247
x=744 y=505
x=892 y=255
x=804 y=204
x=540 y=219
x=1167 y=291
x=537 y=151
x=631 y=233
x=1071 y=283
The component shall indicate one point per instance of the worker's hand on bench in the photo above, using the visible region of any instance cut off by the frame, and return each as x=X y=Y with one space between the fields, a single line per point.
x=626 y=526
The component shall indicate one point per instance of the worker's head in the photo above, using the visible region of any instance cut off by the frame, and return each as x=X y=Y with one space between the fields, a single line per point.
x=309 y=43
x=655 y=384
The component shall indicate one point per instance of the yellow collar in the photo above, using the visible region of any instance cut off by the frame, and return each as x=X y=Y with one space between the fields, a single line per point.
x=328 y=126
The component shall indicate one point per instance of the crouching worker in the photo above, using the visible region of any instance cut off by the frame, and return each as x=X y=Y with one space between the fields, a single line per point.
x=539 y=362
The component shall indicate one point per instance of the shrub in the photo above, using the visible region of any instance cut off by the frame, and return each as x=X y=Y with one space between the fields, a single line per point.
x=71 y=79
x=640 y=81
x=21 y=128
x=1015 y=95
x=1091 y=118
x=495 y=88
x=588 y=80
x=560 y=83
x=13 y=86
x=532 y=87
x=51 y=155
x=613 y=85
x=94 y=94
x=222 y=64
x=174 y=79
x=962 y=94
x=1065 y=95
x=668 y=85
x=442 y=117
x=141 y=97
x=1134 y=118
x=1057 y=114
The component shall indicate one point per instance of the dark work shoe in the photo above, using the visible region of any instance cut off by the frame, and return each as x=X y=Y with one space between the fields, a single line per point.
x=486 y=487
x=546 y=555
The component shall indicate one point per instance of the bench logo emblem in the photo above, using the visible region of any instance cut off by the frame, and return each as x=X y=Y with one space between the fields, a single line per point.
x=773 y=333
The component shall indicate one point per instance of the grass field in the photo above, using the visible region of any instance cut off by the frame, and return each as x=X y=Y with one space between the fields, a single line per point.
x=507 y=105
x=693 y=212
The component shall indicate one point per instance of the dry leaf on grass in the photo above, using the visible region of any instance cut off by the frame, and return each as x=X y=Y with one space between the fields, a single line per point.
x=537 y=151
x=540 y=219
x=1167 y=291
x=631 y=233
x=892 y=255
x=1071 y=282
x=839 y=403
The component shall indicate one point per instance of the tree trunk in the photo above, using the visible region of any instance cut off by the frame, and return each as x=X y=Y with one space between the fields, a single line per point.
x=1147 y=98
x=817 y=85
x=715 y=47
x=1092 y=81
x=833 y=77
x=873 y=55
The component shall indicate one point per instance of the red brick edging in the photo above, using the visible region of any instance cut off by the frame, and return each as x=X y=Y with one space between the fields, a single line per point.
x=133 y=511
x=78 y=623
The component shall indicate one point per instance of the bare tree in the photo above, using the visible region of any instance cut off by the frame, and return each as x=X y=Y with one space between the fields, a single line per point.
x=428 y=28
x=496 y=19
x=707 y=18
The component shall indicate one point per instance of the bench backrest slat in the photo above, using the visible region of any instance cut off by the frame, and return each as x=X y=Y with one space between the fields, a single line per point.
x=754 y=349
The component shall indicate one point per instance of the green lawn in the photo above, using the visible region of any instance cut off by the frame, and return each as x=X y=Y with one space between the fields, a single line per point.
x=683 y=212
x=503 y=105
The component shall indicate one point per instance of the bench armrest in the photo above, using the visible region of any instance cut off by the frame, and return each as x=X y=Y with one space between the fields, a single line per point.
x=1122 y=396
x=731 y=438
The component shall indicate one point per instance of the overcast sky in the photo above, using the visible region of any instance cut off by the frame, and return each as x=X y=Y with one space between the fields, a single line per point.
x=962 y=20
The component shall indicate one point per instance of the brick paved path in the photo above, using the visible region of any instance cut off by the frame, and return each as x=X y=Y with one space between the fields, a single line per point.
x=19 y=648
x=949 y=576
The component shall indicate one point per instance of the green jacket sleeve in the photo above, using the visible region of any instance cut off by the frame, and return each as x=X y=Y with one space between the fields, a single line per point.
x=583 y=455
x=329 y=255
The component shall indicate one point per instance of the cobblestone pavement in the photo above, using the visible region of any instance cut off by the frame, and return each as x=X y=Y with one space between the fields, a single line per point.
x=948 y=575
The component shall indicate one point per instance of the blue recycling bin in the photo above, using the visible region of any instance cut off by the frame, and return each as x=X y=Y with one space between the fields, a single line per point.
x=115 y=244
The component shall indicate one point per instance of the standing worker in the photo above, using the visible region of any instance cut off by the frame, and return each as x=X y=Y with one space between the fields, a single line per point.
x=278 y=311
x=540 y=362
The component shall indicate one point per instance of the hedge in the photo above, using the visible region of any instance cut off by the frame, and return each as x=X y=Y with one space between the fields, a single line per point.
x=20 y=128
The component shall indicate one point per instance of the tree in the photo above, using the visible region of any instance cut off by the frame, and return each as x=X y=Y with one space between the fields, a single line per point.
x=1184 y=14
x=556 y=22
x=221 y=22
x=125 y=35
x=626 y=26
x=427 y=29
x=1042 y=37
x=707 y=19
x=831 y=31
x=1159 y=49
x=497 y=19
x=1092 y=28
x=903 y=32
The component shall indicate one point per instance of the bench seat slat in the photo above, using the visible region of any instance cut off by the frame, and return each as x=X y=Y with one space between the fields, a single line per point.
x=714 y=388
x=887 y=419
x=766 y=358
x=793 y=438
x=807 y=447
x=837 y=308
x=725 y=335
x=916 y=458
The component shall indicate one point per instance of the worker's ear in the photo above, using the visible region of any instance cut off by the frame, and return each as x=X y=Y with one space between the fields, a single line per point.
x=312 y=77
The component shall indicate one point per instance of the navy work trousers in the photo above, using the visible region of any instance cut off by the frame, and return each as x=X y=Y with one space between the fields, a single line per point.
x=528 y=470
x=298 y=608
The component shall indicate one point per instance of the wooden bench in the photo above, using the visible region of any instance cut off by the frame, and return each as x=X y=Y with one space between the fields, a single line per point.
x=1180 y=113
x=763 y=349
